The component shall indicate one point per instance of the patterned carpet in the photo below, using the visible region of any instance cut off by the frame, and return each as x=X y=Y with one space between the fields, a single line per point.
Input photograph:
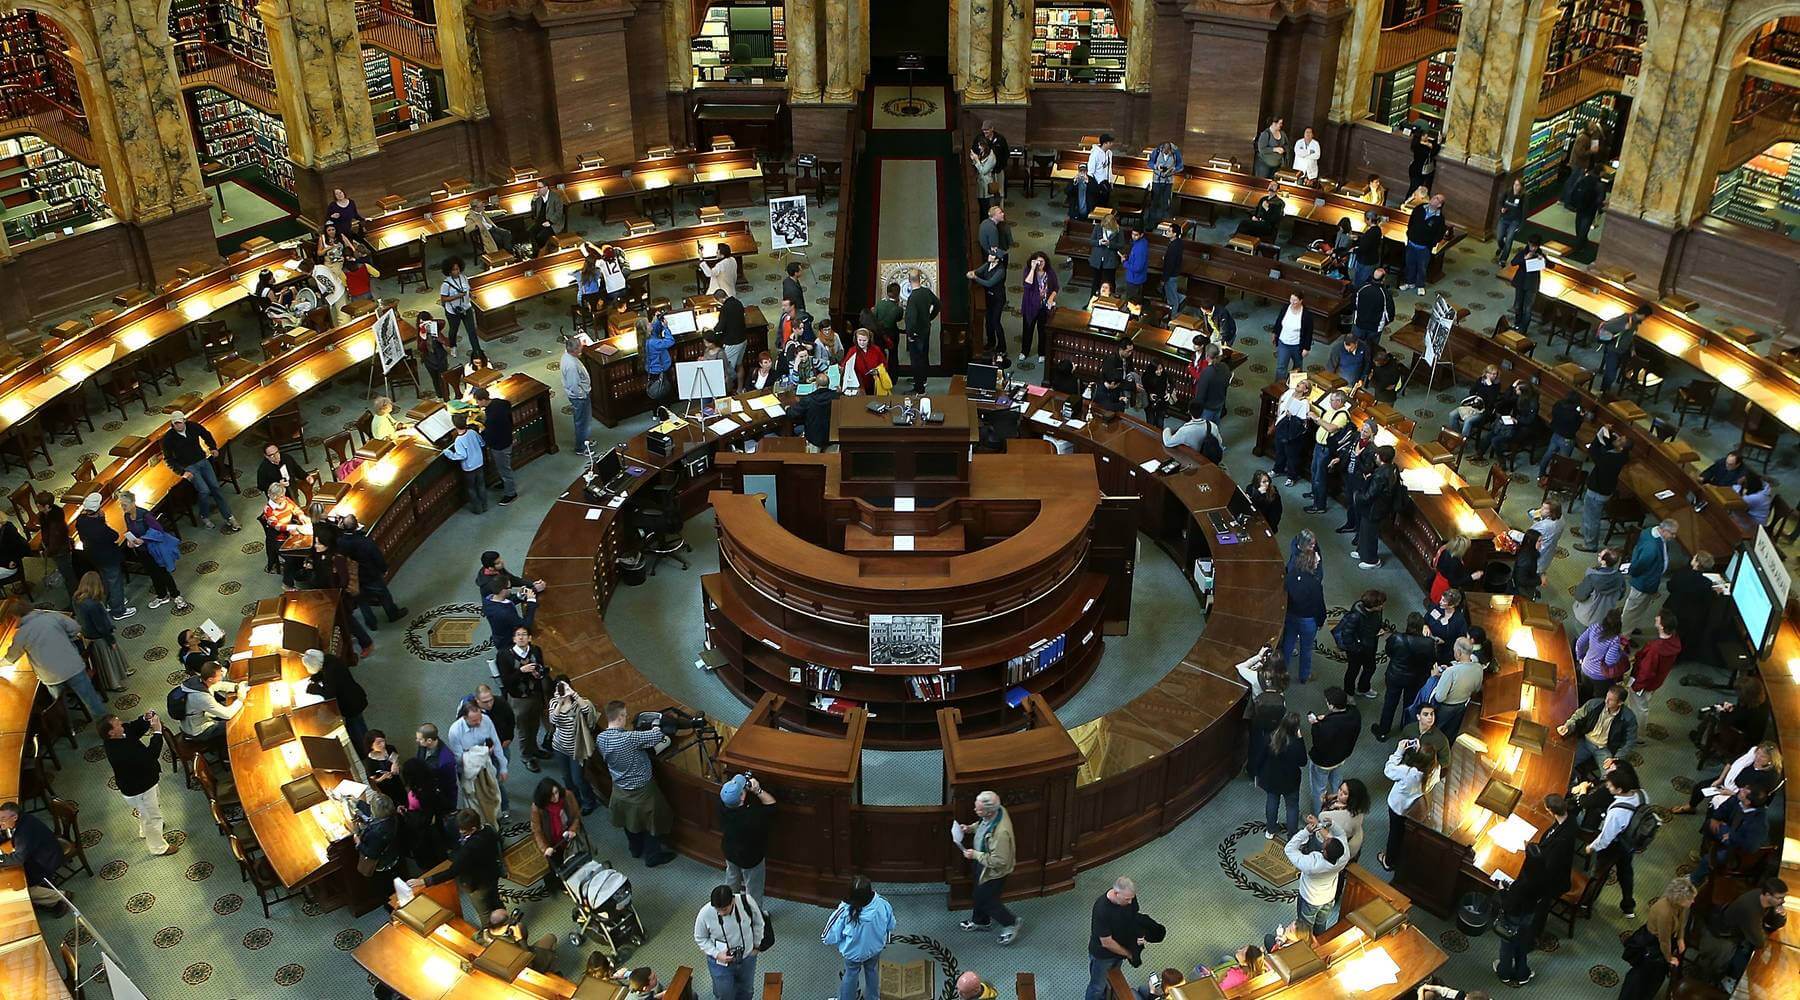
x=180 y=922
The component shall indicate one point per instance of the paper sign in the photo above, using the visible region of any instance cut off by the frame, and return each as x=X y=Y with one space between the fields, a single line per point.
x=904 y=505
x=723 y=427
x=594 y=513
x=211 y=630
x=1150 y=465
x=903 y=543
x=1534 y=264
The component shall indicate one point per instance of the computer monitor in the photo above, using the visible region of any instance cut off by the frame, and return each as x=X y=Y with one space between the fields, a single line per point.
x=1110 y=320
x=607 y=465
x=1239 y=505
x=984 y=378
x=1753 y=603
x=681 y=323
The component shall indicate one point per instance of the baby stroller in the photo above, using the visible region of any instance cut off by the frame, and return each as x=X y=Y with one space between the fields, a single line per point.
x=603 y=911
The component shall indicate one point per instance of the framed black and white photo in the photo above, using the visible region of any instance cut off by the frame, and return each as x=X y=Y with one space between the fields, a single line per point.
x=906 y=640
x=788 y=222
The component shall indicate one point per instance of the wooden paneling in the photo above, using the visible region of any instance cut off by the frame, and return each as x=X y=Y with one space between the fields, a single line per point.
x=410 y=164
x=1060 y=114
x=61 y=274
x=1229 y=54
x=1747 y=271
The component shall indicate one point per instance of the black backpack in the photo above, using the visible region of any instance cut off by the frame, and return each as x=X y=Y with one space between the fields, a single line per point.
x=1345 y=631
x=1641 y=829
x=176 y=703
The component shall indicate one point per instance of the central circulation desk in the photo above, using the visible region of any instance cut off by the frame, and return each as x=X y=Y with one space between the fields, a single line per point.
x=1071 y=337
x=902 y=522
x=1139 y=770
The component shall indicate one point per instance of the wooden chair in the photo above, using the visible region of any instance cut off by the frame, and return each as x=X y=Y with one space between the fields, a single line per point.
x=86 y=471
x=24 y=507
x=182 y=750
x=1761 y=435
x=775 y=179
x=1564 y=475
x=409 y=266
x=338 y=451
x=1662 y=430
x=1696 y=398
x=220 y=792
x=237 y=829
x=1453 y=443
x=1624 y=515
x=1498 y=482
x=1577 y=903
x=269 y=889
x=453 y=383
x=1642 y=376
x=162 y=359
x=830 y=177
x=1783 y=524
x=65 y=819
x=364 y=426
x=225 y=468
x=24 y=441
x=66 y=414
x=48 y=725
x=35 y=789
x=286 y=429
x=122 y=387
x=71 y=970
x=405 y=372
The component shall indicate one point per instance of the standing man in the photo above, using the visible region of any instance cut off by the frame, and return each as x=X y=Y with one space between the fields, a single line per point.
x=1317 y=904
x=1112 y=935
x=746 y=811
x=1079 y=197
x=1174 y=281
x=188 y=449
x=1002 y=152
x=1374 y=309
x=371 y=571
x=524 y=678
x=50 y=639
x=458 y=303
x=994 y=853
x=1651 y=560
x=1456 y=684
x=637 y=804
x=474 y=863
x=1586 y=201
x=135 y=753
x=995 y=235
x=732 y=336
x=101 y=544
x=1333 y=741
x=991 y=276
x=1367 y=254
x=1374 y=505
x=1609 y=451
x=466 y=451
x=332 y=680
x=1424 y=231
x=497 y=434
x=890 y=315
x=1212 y=385
x=1612 y=851
x=727 y=930
x=921 y=310
x=472 y=729
x=1165 y=166
x=1271 y=149
x=1137 y=264
x=1100 y=169
x=791 y=289
x=578 y=386
x=1617 y=337
x=1565 y=423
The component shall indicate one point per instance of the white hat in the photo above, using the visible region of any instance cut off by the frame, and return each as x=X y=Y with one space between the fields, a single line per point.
x=177 y=417
x=313 y=660
x=91 y=502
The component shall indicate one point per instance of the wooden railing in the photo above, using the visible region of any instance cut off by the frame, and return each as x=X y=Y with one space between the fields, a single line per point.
x=1410 y=41
x=203 y=63
x=1603 y=68
x=409 y=38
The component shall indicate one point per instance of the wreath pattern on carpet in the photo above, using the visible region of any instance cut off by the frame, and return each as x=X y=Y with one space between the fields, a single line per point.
x=290 y=974
x=418 y=635
x=140 y=903
x=1228 y=863
x=113 y=870
x=259 y=939
x=227 y=904
x=941 y=954
x=197 y=973
x=1603 y=976
x=347 y=940
x=199 y=871
x=168 y=937
x=1453 y=941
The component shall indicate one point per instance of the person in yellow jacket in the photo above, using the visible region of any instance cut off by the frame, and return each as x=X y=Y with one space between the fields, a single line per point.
x=993 y=852
x=1333 y=421
x=970 y=987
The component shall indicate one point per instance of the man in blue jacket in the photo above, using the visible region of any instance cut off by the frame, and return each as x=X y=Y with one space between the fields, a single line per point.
x=1655 y=553
x=1137 y=264
x=36 y=846
x=1738 y=824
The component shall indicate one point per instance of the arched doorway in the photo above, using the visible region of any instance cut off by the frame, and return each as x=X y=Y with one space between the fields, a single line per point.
x=1582 y=107
x=1757 y=167
x=403 y=67
x=1414 y=59
x=52 y=179
x=741 y=42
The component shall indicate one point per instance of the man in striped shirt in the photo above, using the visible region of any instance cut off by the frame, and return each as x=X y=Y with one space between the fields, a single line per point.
x=637 y=805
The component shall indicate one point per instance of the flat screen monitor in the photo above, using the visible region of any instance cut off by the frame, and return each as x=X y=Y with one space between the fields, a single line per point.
x=1753 y=604
x=984 y=378
x=681 y=323
x=436 y=426
x=1239 y=505
x=607 y=466
x=1110 y=320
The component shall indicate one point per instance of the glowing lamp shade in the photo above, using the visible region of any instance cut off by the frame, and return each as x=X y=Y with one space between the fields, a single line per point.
x=1789 y=414
x=243 y=414
x=1734 y=377
x=382 y=472
x=73 y=372
x=1372 y=970
x=15 y=410
x=1609 y=310
x=302 y=381
x=362 y=348
x=1385 y=437
x=1523 y=641
x=266 y=635
x=628 y=341
x=638 y=261
x=440 y=969
x=198 y=307
x=1793 y=666
x=1470 y=523
x=1672 y=340
x=135 y=338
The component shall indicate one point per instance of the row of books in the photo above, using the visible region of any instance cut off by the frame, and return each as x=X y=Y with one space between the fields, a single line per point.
x=1042 y=655
x=816 y=677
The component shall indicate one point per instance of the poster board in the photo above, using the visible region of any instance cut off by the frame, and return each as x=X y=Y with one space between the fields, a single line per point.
x=388 y=346
x=788 y=222
x=906 y=640
x=1437 y=329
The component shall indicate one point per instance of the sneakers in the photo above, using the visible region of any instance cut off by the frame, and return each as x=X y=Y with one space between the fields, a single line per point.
x=1345 y=529
x=507 y=501
x=232 y=527
x=970 y=925
x=1380 y=736
x=661 y=859
x=167 y=850
x=1628 y=910
x=157 y=602
x=1365 y=694
x=181 y=604
x=1010 y=934
x=1369 y=565
x=208 y=523
x=127 y=613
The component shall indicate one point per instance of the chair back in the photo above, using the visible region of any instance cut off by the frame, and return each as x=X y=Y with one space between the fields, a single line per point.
x=24 y=507
x=65 y=819
x=338 y=450
x=86 y=471
x=1564 y=474
x=1498 y=482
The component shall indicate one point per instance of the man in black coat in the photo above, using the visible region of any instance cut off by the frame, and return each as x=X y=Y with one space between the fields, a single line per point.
x=525 y=678
x=1081 y=194
x=815 y=412
x=332 y=680
x=497 y=434
x=1210 y=388
x=1376 y=503
x=134 y=749
x=36 y=847
x=276 y=467
x=790 y=286
x=921 y=310
x=371 y=571
x=1372 y=309
x=1174 y=281
x=474 y=863
x=1542 y=880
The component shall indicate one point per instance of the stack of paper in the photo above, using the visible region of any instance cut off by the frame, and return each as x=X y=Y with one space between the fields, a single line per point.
x=1427 y=480
x=1512 y=834
x=1371 y=970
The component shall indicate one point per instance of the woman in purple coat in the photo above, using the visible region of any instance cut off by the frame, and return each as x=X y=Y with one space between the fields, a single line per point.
x=1039 y=299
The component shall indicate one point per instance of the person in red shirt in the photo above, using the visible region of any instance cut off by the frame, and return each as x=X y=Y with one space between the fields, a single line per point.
x=1653 y=663
x=863 y=359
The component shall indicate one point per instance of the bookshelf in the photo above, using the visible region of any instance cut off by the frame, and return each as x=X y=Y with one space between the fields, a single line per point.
x=1547 y=151
x=741 y=43
x=1763 y=193
x=238 y=136
x=44 y=189
x=34 y=66
x=1421 y=90
x=1077 y=43
x=403 y=96
x=1589 y=26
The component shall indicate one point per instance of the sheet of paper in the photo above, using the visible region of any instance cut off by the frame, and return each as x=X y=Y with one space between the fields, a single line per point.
x=903 y=543
x=1665 y=494
x=776 y=410
x=1047 y=418
x=1150 y=465
x=594 y=513
x=1425 y=480
x=904 y=505
x=723 y=426
x=1534 y=264
x=1075 y=425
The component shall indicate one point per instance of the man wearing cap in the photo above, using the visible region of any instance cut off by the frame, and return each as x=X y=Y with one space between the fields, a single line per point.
x=101 y=543
x=746 y=813
x=993 y=853
x=189 y=448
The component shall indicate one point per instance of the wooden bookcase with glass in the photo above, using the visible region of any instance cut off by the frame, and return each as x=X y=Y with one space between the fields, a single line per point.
x=238 y=136
x=1412 y=93
x=402 y=96
x=1077 y=43
x=741 y=43
x=44 y=190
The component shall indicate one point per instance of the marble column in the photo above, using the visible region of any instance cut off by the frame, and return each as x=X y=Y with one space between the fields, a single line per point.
x=319 y=81
x=678 y=30
x=1015 y=51
x=978 y=81
x=1356 y=61
x=803 y=52
x=133 y=102
x=1665 y=170
x=1140 y=41
x=840 y=60
x=463 y=88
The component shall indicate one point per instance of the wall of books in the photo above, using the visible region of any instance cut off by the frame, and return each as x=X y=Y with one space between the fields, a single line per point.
x=1410 y=93
x=1612 y=34
x=203 y=29
x=231 y=133
x=35 y=70
x=402 y=96
x=45 y=190
x=1763 y=193
x=1077 y=43
x=741 y=43
x=1547 y=152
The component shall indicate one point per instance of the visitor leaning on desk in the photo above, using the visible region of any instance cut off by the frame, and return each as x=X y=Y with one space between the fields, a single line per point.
x=638 y=805
x=203 y=714
x=466 y=450
x=49 y=639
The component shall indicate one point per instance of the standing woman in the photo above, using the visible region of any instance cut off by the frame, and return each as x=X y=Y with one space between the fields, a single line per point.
x=101 y=645
x=860 y=364
x=1280 y=775
x=1406 y=769
x=1526 y=576
x=1265 y=498
x=588 y=287
x=1512 y=216
x=1036 y=305
x=722 y=274
x=341 y=210
x=981 y=154
x=152 y=547
x=572 y=724
x=1451 y=573
x=554 y=824
x=1424 y=158
x=1305 y=611
x=1601 y=589
x=1104 y=256
x=1345 y=808
x=1293 y=413
x=458 y=303
x=1268 y=680
x=1360 y=634
x=1525 y=283
x=859 y=930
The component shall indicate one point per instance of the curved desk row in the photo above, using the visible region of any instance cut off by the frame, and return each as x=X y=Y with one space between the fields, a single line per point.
x=1131 y=775
x=26 y=965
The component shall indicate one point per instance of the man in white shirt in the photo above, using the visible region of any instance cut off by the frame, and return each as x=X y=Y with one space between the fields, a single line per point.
x=205 y=715
x=578 y=386
x=727 y=930
x=1318 y=900
x=474 y=729
x=1609 y=851
x=1100 y=169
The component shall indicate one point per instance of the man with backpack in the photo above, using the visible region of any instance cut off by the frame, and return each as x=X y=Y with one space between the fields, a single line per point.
x=1358 y=634
x=196 y=704
x=1627 y=828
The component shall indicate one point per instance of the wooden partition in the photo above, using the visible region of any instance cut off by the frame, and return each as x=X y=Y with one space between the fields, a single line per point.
x=1033 y=772
x=26 y=965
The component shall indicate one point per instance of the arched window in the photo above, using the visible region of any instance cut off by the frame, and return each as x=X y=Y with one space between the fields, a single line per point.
x=1414 y=60
x=402 y=65
x=50 y=176
x=1759 y=163
x=222 y=55
x=740 y=41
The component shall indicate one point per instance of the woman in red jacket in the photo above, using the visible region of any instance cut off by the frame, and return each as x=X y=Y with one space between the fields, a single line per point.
x=1653 y=663
x=862 y=360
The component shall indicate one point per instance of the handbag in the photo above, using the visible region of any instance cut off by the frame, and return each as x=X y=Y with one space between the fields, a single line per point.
x=1640 y=946
x=1510 y=926
x=660 y=387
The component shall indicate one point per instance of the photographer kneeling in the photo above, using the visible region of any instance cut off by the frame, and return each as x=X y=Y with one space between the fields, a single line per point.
x=637 y=805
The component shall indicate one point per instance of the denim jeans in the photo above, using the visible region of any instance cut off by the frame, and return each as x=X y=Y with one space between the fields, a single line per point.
x=1321 y=458
x=584 y=412
x=1592 y=506
x=1271 y=805
x=1297 y=644
x=1097 y=971
x=114 y=578
x=1558 y=445
x=1609 y=367
x=1522 y=300
x=1504 y=234
x=1418 y=261
x=736 y=981
x=1394 y=700
x=1467 y=426
x=578 y=781
x=869 y=971
x=83 y=686
x=206 y=484
x=1287 y=356
x=1317 y=919
x=1172 y=293
x=1320 y=780
x=1513 y=952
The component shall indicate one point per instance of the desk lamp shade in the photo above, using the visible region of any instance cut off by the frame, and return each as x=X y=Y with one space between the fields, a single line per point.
x=1376 y=918
x=1539 y=673
x=1529 y=736
x=1197 y=989
x=423 y=914
x=504 y=959
x=1499 y=798
x=1296 y=962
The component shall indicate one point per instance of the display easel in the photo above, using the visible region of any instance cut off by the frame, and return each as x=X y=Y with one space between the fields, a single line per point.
x=110 y=965
x=700 y=382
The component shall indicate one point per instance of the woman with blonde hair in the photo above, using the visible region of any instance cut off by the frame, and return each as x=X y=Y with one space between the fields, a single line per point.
x=98 y=640
x=382 y=425
x=1757 y=768
x=1450 y=569
x=1656 y=947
